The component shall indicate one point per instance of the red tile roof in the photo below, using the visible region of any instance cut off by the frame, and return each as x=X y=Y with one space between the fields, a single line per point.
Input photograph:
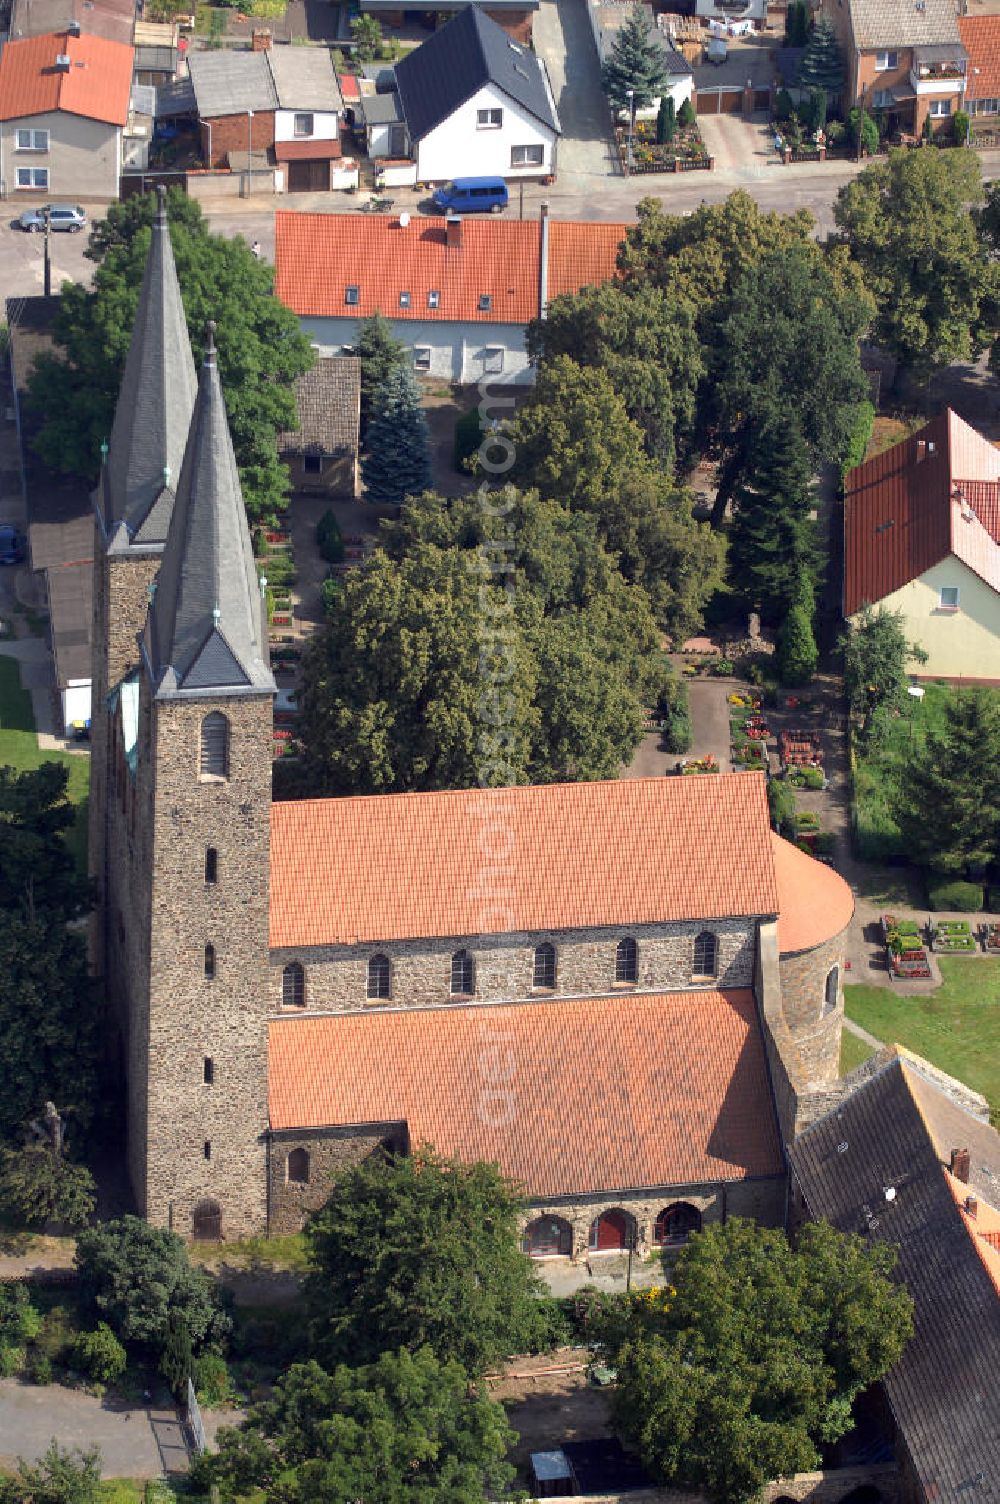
x=981 y=40
x=97 y=83
x=582 y=254
x=594 y=1095
x=630 y=851
x=317 y=256
x=903 y=514
x=814 y=902
x=306 y=151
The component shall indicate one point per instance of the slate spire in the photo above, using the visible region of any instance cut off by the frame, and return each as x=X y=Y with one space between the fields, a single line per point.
x=206 y=633
x=135 y=495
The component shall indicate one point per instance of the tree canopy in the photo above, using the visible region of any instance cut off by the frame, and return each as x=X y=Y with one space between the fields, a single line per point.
x=398 y=462
x=416 y=1250
x=772 y=545
x=876 y=654
x=260 y=347
x=947 y=801
x=405 y=1429
x=822 y=62
x=635 y=63
x=380 y=353
x=734 y=1375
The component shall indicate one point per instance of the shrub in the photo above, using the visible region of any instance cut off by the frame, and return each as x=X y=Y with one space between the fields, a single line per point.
x=860 y=435
x=38 y=1187
x=685 y=115
x=952 y=893
x=40 y=1369
x=806 y=778
x=212 y=1381
x=666 y=121
x=19 y=1321
x=99 y=1354
x=674 y=715
x=797 y=652
x=783 y=107
x=781 y=804
x=869 y=130
x=960 y=124
x=835 y=132
x=328 y=539
x=468 y=437
x=57 y=1335
x=11 y=1360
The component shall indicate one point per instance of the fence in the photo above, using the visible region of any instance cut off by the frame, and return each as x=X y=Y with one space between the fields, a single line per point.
x=193 y=1420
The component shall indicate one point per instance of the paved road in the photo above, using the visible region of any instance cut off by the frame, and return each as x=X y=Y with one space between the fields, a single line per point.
x=563 y=37
x=22 y=258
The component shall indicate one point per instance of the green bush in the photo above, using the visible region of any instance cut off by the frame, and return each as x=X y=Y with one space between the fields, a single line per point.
x=11 y=1360
x=674 y=715
x=860 y=435
x=869 y=129
x=468 y=437
x=783 y=107
x=329 y=540
x=279 y=569
x=781 y=804
x=212 y=1381
x=835 y=132
x=960 y=124
x=40 y=1369
x=58 y=1334
x=953 y=893
x=99 y=1354
x=686 y=115
x=797 y=654
x=19 y=1320
x=806 y=778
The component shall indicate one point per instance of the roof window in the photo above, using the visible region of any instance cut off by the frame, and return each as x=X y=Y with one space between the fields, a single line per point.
x=485 y=302
x=404 y=300
x=352 y=296
x=434 y=298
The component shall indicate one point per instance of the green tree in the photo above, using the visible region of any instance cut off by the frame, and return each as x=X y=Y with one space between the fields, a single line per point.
x=61 y=1476
x=908 y=225
x=406 y=1427
x=635 y=63
x=37 y=870
x=421 y=1250
x=398 y=462
x=38 y=1186
x=176 y=1355
x=797 y=653
x=366 y=32
x=380 y=353
x=135 y=1275
x=876 y=654
x=822 y=63
x=756 y=1358
x=796 y=23
x=772 y=545
x=947 y=801
x=666 y=121
x=261 y=348
x=100 y=1355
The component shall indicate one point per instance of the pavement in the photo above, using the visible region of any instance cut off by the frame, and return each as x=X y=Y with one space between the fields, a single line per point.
x=564 y=39
x=739 y=145
x=136 y=1441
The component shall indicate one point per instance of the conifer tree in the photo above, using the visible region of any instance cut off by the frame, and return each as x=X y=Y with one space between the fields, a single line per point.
x=636 y=63
x=379 y=352
x=398 y=461
x=822 y=65
x=666 y=121
x=797 y=651
x=947 y=801
x=771 y=547
x=176 y=1360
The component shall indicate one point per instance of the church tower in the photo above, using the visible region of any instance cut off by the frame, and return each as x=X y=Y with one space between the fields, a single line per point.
x=132 y=508
x=197 y=928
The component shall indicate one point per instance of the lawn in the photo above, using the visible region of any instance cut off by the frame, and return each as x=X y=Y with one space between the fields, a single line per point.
x=19 y=749
x=853 y=1052
x=956 y=1027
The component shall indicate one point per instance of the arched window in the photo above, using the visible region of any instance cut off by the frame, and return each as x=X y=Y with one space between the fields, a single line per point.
x=206 y=1221
x=831 y=989
x=548 y=1237
x=463 y=974
x=297 y=1167
x=293 y=986
x=211 y=865
x=676 y=1223
x=379 y=976
x=544 y=975
x=215 y=745
x=706 y=954
x=210 y=961
x=611 y=1232
x=627 y=961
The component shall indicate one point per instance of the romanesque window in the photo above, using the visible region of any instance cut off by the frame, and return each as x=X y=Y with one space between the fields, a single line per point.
x=215 y=746
x=293 y=986
x=611 y=1232
x=297 y=1167
x=544 y=975
x=210 y=962
x=463 y=974
x=831 y=989
x=379 y=977
x=706 y=954
x=676 y=1223
x=211 y=865
x=627 y=961
x=548 y=1237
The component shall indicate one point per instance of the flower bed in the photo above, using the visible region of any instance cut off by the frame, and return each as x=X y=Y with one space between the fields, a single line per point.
x=805 y=778
x=911 y=966
x=991 y=937
x=706 y=764
x=903 y=927
x=685 y=152
x=800 y=749
x=754 y=754
x=952 y=936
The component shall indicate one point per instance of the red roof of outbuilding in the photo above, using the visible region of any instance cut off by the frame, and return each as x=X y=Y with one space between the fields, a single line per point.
x=584 y=1095
x=97 y=84
x=981 y=40
x=306 y=151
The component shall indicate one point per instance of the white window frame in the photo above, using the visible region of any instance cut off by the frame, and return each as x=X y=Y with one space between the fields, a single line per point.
x=36 y=140
x=421 y=357
x=528 y=156
x=939 y=109
x=404 y=300
x=950 y=604
x=984 y=106
x=33 y=179
x=886 y=61
x=434 y=297
x=489 y=119
x=493 y=360
x=310 y=120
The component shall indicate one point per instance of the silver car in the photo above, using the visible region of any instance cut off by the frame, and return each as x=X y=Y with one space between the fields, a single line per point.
x=61 y=217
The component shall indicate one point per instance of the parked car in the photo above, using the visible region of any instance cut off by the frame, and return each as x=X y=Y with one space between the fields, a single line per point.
x=11 y=545
x=472 y=195
x=61 y=217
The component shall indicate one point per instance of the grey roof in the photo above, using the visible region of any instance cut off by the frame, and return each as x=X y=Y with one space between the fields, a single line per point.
x=176 y=98
x=230 y=83
x=382 y=109
x=206 y=632
x=903 y=23
x=135 y=494
x=437 y=77
x=304 y=78
x=896 y=1132
x=328 y=399
x=112 y=19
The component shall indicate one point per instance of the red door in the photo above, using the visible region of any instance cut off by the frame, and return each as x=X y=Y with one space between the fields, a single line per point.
x=612 y=1232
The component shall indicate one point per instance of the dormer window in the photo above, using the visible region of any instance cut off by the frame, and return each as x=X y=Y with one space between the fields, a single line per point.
x=404 y=300
x=485 y=302
x=352 y=296
x=434 y=298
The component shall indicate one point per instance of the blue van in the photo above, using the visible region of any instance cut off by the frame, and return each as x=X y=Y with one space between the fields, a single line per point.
x=472 y=195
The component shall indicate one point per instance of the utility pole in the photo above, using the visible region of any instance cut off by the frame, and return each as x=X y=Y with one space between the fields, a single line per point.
x=249 y=153
x=47 y=259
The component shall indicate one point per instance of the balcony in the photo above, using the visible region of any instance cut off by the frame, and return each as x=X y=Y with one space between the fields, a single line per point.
x=938 y=70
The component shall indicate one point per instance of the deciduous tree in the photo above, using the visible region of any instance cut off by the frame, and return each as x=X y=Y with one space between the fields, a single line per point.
x=946 y=802
x=38 y=1186
x=876 y=654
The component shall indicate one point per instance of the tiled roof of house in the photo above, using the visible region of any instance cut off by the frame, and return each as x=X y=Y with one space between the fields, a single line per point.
x=304 y=79
x=895 y=1133
x=318 y=256
x=981 y=39
x=328 y=399
x=982 y=1224
x=668 y=1090
x=582 y=254
x=458 y=60
x=113 y=19
x=231 y=83
x=313 y=150
x=901 y=23
x=96 y=85
x=907 y=509
x=815 y=903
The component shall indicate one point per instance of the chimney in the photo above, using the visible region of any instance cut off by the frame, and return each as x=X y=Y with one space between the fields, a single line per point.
x=260 y=39
x=453 y=232
x=921 y=450
x=73 y=28
x=960 y=1165
x=971 y=1206
x=63 y=63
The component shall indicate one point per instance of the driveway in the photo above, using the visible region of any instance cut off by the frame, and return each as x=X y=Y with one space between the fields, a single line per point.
x=742 y=146
x=564 y=40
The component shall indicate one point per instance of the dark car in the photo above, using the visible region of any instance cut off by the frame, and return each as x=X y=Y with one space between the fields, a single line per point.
x=11 y=545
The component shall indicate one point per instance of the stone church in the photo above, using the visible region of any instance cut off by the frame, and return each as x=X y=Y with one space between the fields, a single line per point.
x=627 y=994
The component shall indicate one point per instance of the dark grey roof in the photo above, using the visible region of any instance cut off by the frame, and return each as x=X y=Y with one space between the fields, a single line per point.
x=455 y=62
x=136 y=491
x=175 y=99
x=382 y=109
x=206 y=632
x=328 y=399
x=895 y=1133
x=230 y=83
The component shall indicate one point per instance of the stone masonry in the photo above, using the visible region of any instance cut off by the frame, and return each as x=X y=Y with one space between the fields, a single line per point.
x=329 y=1150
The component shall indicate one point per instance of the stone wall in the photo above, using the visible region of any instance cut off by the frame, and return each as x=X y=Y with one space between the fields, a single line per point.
x=330 y=1150
x=336 y=976
x=803 y=1002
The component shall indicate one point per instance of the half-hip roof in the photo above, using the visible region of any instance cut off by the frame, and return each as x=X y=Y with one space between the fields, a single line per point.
x=454 y=63
x=96 y=84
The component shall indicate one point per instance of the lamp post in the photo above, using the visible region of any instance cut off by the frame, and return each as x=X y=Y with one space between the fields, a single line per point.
x=631 y=123
x=47 y=283
x=249 y=153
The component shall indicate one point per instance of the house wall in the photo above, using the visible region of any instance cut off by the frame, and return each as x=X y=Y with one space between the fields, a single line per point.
x=338 y=476
x=959 y=644
x=336 y=976
x=83 y=159
x=459 y=148
x=457 y=347
x=326 y=126
x=225 y=133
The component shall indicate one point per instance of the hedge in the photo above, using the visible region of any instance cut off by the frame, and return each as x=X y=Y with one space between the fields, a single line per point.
x=953 y=893
x=328 y=539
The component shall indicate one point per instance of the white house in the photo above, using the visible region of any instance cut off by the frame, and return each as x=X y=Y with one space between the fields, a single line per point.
x=477 y=104
x=607 y=17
